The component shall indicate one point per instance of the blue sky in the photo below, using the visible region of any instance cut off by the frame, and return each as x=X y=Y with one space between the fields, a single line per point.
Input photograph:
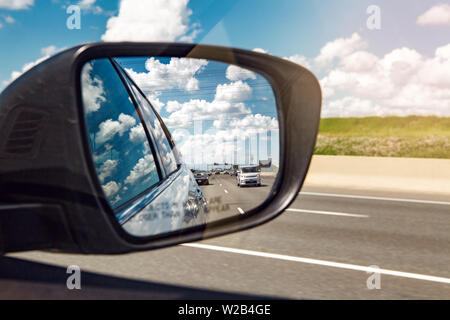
x=363 y=71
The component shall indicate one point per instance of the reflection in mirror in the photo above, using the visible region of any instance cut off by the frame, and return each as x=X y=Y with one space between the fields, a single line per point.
x=179 y=142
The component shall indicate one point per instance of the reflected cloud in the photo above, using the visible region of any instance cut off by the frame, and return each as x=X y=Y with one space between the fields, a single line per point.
x=109 y=128
x=235 y=73
x=143 y=167
x=111 y=188
x=93 y=92
x=107 y=168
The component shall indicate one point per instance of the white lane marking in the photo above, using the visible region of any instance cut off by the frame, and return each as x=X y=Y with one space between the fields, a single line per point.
x=321 y=262
x=374 y=198
x=226 y=191
x=241 y=211
x=331 y=213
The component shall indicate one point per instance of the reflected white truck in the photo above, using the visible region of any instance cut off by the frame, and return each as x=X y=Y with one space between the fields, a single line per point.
x=249 y=176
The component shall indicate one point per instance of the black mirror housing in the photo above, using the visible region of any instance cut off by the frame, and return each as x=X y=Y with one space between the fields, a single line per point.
x=50 y=196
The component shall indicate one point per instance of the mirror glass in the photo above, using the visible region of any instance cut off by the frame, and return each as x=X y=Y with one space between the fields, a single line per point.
x=179 y=142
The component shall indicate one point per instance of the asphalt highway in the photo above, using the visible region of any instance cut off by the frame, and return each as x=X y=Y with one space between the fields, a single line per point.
x=225 y=198
x=325 y=246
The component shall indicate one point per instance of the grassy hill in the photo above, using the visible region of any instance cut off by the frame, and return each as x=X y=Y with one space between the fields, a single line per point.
x=413 y=136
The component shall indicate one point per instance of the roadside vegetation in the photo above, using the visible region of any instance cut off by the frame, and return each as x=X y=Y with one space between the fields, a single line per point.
x=412 y=137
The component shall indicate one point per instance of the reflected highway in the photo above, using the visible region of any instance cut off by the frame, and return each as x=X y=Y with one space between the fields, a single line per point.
x=320 y=248
x=225 y=198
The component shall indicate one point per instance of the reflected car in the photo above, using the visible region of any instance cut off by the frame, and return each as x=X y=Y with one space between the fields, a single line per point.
x=142 y=173
x=201 y=177
x=249 y=175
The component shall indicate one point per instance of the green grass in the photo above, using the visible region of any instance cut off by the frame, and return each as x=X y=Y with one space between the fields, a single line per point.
x=413 y=136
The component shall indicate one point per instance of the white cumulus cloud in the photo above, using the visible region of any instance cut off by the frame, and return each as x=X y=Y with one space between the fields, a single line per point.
x=179 y=73
x=260 y=50
x=48 y=51
x=9 y=19
x=183 y=114
x=109 y=128
x=254 y=123
x=16 y=4
x=137 y=134
x=89 y=5
x=92 y=90
x=437 y=15
x=235 y=73
x=339 y=48
x=228 y=102
x=151 y=20
x=299 y=59
x=233 y=92
x=111 y=188
x=402 y=82
x=143 y=168
x=218 y=143
x=107 y=168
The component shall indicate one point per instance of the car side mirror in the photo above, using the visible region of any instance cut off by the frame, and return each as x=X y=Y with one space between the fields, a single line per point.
x=95 y=149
